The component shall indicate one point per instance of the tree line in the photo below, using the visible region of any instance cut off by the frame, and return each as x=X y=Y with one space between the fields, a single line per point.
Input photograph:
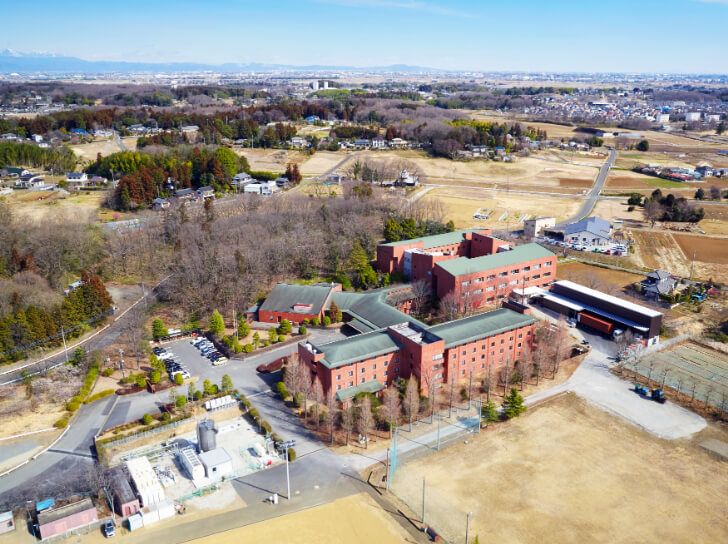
x=13 y=154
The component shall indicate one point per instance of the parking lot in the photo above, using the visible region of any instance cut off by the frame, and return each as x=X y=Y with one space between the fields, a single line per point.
x=615 y=248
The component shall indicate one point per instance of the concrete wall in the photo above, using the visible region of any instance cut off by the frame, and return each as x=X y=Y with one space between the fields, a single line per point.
x=73 y=521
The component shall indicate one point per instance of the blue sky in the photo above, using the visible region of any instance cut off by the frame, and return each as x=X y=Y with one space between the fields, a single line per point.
x=529 y=35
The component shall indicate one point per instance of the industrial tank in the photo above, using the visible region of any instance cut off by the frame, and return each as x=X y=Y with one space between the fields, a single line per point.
x=206 y=435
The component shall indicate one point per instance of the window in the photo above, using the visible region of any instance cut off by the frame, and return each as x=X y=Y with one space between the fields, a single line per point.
x=396 y=370
x=474 y=350
x=396 y=359
x=537 y=276
x=338 y=388
x=513 y=282
x=515 y=271
x=462 y=373
x=374 y=366
x=526 y=268
x=386 y=363
x=477 y=291
x=385 y=373
x=465 y=283
x=483 y=357
x=351 y=384
x=491 y=277
x=463 y=363
x=511 y=339
x=478 y=280
x=536 y=266
x=501 y=286
x=338 y=377
x=501 y=350
x=490 y=288
x=437 y=357
x=482 y=365
x=363 y=370
x=464 y=352
x=520 y=335
x=503 y=274
x=362 y=380
x=351 y=373
x=519 y=344
x=503 y=340
x=546 y=274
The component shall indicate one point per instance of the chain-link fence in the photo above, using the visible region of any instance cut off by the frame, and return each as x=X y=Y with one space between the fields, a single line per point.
x=425 y=437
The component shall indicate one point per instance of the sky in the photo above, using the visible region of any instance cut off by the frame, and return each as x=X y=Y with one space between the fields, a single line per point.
x=652 y=36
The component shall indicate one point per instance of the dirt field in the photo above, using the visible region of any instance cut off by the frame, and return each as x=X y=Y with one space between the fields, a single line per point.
x=78 y=207
x=659 y=250
x=611 y=281
x=273 y=160
x=708 y=250
x=528 y=172
x=321 y=162
x=716 y=220
x=617 y=209
x=460 y=205
x=88 y=152
x=569 y=472
x=355 y=520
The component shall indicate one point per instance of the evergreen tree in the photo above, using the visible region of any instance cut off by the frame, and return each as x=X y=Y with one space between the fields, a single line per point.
x=125 y=198
x=513 y=404
x=226 y=384
x=489 y=412
x=391 y=230
x=158 y=329
x=217 y=326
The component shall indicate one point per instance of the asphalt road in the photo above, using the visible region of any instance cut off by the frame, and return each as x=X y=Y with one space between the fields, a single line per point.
x=593 y=194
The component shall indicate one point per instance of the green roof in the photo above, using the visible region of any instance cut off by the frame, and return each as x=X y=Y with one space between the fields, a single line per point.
x=356 y=348
x=285 y=296
x=478 y=326
x=519 y=254
x=372 y=386
x=370 y=311
x=437 y=240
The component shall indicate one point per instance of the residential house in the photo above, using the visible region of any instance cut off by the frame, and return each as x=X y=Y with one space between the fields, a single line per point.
x=206 y=192
x=705 y=171
x=534 y=227
x=76 y=180
x=658 y=283
x=265 y=188
x=397 y=143
x=184 y=194
x=98 y=180
x=189 y=129
x=159 y=204
x=240 y=179
x=37 y=138
x=298 y=142
x=407 y=179
x=9 y=172
x=362 y=142
x=378 y=143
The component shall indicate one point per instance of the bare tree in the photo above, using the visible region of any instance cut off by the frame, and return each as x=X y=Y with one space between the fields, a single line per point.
x=318 y=398
x=505 y=375
x=366 y=419
x=653 y=211
x=559 y=343
x=451 y=387
x=347 y=420
x=489 y=380
x=391 y=407
x=450 y=306
x=293 y=377
x=420 y=294
x=524 y=369
x=539 y=358
x=411 y=400
x=331 y=413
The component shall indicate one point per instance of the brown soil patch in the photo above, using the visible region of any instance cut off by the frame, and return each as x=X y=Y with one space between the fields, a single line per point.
x=708 y=250
x=572 y=182
x=626 y=182
x=611 y=281
x=569 y=472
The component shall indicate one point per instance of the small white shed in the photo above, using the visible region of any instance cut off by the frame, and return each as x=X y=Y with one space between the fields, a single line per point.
x=217 y=463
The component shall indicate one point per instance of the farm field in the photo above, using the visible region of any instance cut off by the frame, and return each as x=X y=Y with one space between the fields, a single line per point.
x=707 y=250
x=505 y=209
x=526 y=172
x=627 y=180
x=553 y=131
x=273 y=160
x=77 y=207
x=570 y=472
x=321 y=162
x=356 y=519
x=659 y=250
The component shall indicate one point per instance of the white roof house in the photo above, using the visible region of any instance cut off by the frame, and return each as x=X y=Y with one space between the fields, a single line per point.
x=217 y=463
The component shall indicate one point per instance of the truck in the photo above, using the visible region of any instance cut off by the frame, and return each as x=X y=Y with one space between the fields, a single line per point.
x=605 y=327
x=641 y=390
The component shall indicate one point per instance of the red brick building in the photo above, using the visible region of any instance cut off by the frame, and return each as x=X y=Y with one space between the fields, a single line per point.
x=65 y=518
x=297 y=302
x=371 y=361
x=472 y=264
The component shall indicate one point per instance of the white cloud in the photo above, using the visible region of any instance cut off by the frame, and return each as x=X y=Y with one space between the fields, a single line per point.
x=414 y=5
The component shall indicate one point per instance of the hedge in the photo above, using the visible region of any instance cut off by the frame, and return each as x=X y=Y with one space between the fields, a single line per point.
x=291 y=455
x=99 y=395
x=62 y=423
x=72 y=406
x=107 y=372
x=265 y=425
x=253 y=412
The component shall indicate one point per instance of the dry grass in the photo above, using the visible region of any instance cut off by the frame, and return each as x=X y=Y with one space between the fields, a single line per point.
x=617 y=209
x=610 y=279
x=273 y=160
x=356 y=520
x=716 y=220
x=88 y=152
x=460 y=205
x=569 y=472
x=78 y=207
x=321 y=162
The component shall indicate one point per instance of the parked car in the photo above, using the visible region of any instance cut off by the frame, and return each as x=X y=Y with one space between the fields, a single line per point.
x=109 y=530
x=220 y=361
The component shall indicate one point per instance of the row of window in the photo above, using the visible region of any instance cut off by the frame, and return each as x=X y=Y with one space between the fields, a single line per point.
x=511 y=272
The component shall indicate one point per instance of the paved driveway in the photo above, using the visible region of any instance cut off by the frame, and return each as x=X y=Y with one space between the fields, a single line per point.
x=594 y=382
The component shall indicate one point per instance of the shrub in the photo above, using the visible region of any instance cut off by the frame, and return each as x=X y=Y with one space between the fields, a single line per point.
x=302 y=330
x=291 y=455
x=327 y=321
x=227 y=342
x=72 y=406
x=266 y=343
x=217 y=325
x=266 y=426
x=155 y=376
x=285 y=327
x=158 y=329
x=237 y=347
x=275 y=438
x=281 y=338
x=315 y=321
x=281 y=390
x=243 y=329
x=140 y=380
x=181 y=402
x=198 y=395
x=306 y=321
x=62 y=423
x=99 y=395
x=147 y=419
x=253 y=413
x=178 y=379
x=166 y=416
x=107 y=372
x=248 y=348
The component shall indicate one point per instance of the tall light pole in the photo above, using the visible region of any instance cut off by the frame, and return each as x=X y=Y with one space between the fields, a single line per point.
x=285 y=445
x=467 y=526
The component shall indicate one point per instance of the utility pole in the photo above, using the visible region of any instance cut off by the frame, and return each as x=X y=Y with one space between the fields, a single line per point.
x=467 y=526
x=65 y=349
x=285 y=445
x=423 y=502
x=692 y=265
x=121 y=362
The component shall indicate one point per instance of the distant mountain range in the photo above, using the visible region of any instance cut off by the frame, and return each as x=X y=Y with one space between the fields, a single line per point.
x=31 y=63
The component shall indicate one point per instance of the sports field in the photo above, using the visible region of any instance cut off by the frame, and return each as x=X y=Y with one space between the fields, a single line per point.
x=570 y=472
